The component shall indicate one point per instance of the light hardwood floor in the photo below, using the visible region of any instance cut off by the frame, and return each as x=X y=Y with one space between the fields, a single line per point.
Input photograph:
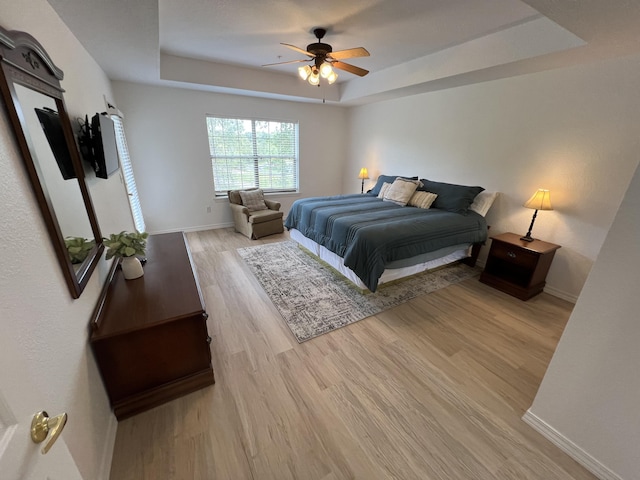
x=432 y=389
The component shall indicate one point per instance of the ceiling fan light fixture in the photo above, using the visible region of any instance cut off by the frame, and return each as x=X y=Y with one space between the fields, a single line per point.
x=325 y=60
x=326 y=70
x=314 y=78
x=304 y=72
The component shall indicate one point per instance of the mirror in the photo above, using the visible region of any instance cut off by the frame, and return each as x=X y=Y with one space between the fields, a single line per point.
x=30 y=85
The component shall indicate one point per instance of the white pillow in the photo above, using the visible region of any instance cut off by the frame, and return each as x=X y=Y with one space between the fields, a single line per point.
x=482 y=203
x=422 y=199
x=401 y=191
x=383 y=189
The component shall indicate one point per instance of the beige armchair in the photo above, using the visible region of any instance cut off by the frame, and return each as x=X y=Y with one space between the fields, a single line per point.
x=258 y=223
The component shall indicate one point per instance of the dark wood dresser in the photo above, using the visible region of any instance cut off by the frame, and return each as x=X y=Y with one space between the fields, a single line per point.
x=517 y=267
x=149 y=335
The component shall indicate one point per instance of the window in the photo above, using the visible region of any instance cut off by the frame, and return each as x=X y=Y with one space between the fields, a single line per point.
x=127 y=173
x=248 y=153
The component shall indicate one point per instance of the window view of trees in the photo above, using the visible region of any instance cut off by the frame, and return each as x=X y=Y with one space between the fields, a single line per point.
x=248 y=153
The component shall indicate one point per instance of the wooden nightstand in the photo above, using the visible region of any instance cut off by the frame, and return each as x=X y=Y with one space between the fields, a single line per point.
x=517 y=267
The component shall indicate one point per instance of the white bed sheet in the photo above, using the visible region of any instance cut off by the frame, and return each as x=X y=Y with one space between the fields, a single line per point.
x=389 y=274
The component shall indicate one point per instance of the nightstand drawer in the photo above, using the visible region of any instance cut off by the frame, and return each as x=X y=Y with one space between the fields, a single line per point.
x=514 y=255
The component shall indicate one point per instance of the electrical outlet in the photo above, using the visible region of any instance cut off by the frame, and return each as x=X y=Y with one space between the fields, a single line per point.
x=208 y=209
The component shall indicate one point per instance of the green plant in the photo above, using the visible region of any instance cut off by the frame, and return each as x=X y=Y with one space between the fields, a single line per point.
x=125 y=244
x=78 y=248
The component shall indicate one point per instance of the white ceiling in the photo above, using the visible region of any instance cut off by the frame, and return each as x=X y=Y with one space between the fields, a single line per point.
x=248 y=33
x=415 y=45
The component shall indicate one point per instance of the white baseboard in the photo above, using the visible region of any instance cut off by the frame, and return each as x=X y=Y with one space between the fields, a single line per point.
x=107 y=454
x=570 y=448
x=194 y=229
x=560 y=294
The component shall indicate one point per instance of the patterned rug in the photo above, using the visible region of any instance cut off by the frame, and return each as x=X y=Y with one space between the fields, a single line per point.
x=313 y=298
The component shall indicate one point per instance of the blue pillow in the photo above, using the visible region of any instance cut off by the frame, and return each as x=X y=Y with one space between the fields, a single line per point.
x=451 y=197
x=386 y=179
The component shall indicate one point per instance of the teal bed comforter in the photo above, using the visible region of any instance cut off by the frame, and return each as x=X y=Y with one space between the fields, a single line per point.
x=369 y=233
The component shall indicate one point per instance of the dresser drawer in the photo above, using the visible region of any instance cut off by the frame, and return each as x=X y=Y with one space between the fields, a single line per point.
x=511 y=254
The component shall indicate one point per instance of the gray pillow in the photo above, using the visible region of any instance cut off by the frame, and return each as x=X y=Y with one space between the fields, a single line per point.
x=451 y=197
x=382 y=179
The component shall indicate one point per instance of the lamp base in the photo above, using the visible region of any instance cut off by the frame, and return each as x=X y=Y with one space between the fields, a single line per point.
x=528 y=237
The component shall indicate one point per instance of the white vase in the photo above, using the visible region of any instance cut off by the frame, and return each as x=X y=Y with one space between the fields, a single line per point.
x=131 y=268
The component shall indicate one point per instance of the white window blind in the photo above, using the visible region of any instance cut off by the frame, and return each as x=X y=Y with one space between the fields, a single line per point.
x=248 y=153
x=127 y=173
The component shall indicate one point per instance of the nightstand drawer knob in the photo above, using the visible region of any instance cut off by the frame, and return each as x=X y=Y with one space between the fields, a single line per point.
x=511 y=255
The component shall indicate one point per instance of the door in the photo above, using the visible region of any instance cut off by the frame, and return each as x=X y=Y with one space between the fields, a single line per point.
x=20 y=458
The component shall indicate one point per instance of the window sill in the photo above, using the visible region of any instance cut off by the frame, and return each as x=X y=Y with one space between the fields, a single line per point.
x=225 y=198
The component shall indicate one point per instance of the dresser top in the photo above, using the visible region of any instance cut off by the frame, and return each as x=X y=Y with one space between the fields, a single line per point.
x=167 y=291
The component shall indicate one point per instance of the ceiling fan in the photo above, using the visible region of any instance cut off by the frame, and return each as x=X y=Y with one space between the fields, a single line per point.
x=324 y=60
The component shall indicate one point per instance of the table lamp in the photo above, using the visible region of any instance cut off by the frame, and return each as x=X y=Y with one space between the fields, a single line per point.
x=364 y=175
x=541 y=200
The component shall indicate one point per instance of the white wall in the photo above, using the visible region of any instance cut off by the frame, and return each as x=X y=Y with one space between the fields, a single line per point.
x=167 y=138
x=590 y=392
x=38 y=315
x=574 y=131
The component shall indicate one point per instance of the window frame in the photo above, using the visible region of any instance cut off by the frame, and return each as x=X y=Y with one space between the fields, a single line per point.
x=127 y=172
x=256 y=156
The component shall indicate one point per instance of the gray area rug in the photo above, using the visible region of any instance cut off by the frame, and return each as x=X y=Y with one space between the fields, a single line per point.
x=313 y=298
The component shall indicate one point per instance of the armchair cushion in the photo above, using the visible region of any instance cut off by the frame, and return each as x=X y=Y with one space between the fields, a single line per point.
x=253 y=199
x=265 y=216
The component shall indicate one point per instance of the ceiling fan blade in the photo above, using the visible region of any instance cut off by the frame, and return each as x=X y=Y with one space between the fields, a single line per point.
x=299 y=50
x=350 y=68
x=284 y=63
x=350 y=53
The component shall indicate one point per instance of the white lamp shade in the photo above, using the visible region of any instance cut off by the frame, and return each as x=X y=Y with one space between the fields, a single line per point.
x=314 y=78
x=325 y=70
x=541 y=200
x=332 y=78
x=363 y=173
x=304 y=72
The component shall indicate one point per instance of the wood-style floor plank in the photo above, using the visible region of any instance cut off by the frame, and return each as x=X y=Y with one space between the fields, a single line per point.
x=433 y=389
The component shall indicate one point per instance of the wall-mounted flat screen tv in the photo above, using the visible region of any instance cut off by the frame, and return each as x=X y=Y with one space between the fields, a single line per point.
x=105 y=150
x=97 y=141
x=50 y=122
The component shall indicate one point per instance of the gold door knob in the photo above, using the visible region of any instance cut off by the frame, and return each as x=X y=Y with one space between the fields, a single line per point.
x=41 y=425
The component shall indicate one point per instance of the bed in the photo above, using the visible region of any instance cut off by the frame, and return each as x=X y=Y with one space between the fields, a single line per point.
x=371 y=240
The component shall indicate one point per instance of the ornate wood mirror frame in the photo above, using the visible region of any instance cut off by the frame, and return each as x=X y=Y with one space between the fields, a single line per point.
x=29 y=82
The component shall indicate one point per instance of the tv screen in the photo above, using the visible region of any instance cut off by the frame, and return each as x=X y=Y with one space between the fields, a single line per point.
x=50 y=122
x=105 y=151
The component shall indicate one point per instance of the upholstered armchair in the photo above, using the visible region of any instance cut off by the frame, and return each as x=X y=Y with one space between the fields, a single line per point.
x=253 y=215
